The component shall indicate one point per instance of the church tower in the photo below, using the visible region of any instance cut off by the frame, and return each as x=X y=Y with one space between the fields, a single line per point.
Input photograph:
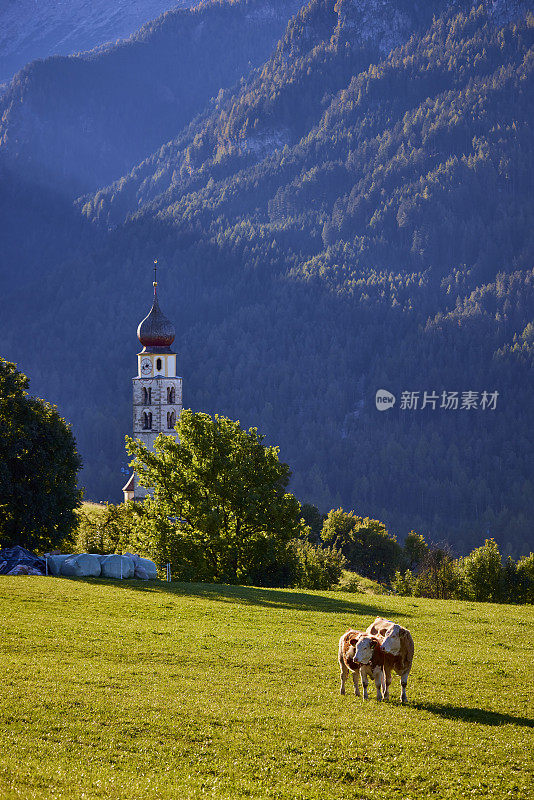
x=157 y=390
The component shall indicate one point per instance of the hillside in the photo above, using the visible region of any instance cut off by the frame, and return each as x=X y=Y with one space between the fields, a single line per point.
x=356 y=214
x=323 y=47
x=110 y=692
x=82 y=121
x=31 y=30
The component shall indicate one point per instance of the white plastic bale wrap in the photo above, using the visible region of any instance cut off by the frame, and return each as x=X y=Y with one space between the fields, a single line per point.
x=148 y=567
x=84 y=565
x=117 y=567
x=145 y=569
x=55 y=563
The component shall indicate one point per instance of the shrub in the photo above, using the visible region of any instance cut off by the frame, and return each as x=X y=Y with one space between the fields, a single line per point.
x=478 y=576
x=482 y=572
x=525 y=572
x=314 y=520
x=316 y=567
x=104 y=529
x=350 y=582
x=404 y=584
x=366 y=544
x=415 y=550
x=438 y=577
x=163 y=539
x=510 y=583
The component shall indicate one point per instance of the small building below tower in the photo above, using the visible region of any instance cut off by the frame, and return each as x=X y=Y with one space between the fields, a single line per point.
x=128 y=489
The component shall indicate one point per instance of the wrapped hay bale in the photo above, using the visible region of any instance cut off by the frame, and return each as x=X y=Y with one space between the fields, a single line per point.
x=141 y=574
x=117 y=567
x=55 y=562
x=147 y=566
x=145 y=569
x=84 y=565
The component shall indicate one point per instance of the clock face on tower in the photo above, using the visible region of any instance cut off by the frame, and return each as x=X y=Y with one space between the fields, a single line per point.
x=146 y=366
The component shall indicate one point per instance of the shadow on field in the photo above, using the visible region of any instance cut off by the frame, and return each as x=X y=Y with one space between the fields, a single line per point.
x=250 y=595
x=478 y=715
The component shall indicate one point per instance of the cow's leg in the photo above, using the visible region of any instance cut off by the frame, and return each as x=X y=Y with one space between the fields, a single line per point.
x=387 y=681
x=344 y=674
x=404 y=683
x=365 y=682
x=378 y=676
x=356 y=682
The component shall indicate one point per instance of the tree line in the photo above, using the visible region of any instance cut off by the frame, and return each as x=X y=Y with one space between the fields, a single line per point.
x=219 y=511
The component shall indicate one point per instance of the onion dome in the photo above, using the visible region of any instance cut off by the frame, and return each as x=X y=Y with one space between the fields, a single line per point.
x=156 y=333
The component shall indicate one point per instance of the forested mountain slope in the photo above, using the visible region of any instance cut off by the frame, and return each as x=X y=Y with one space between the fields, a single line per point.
x=30 y=30
x=356 y=215
x=325 y=44
x=82 y=121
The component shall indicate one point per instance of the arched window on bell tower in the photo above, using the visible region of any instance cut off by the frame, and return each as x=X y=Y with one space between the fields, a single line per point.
x=171 y=419
x=171 y=395
x=147 y=421
x=158 y=364
x=147 y=397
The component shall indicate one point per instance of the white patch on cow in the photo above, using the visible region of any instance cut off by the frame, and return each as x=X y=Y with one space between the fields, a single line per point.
x=392 y=643
x=404 y=681
x=363 y=652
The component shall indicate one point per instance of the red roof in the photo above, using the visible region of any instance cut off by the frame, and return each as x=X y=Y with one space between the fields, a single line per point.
x=129 y=487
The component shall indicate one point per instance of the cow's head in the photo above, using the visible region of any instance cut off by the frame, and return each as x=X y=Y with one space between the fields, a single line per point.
x=392 y=641
x=349 y=652
x=364 y=649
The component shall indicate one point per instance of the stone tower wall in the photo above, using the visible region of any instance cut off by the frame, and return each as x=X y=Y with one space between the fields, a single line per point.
x=158 y=407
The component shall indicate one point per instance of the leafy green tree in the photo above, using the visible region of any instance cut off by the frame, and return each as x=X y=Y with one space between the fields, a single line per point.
x=525 y=571
x=482 y=571
x=317 y=567
x=511 y=583
x=415 y=550
x=105 y=528
x=439 y=576
x=38 y=467
x=404 y=583
x=369 y=549
x=222 y=490
x=313 y=519
x=169 y=540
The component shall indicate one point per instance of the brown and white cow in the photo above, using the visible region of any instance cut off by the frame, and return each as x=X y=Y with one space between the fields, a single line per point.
x=398 y=651
x=361 y=654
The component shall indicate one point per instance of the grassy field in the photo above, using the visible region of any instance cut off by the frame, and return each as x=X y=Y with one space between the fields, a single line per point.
x=178 y=691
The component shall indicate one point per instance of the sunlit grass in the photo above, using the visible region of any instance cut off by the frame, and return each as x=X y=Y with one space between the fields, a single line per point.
x=169 y=691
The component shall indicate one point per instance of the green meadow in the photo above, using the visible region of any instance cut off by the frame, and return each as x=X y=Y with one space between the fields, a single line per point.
x=132 y=690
